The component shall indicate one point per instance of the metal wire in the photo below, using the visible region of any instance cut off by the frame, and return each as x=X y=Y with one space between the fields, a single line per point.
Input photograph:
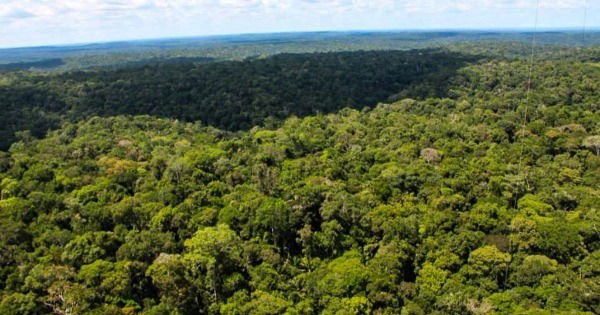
x=528 y=93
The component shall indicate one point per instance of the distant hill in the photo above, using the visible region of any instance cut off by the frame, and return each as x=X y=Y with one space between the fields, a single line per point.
x=239 y=47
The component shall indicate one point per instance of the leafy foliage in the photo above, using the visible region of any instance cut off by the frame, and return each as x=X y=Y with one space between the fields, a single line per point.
x=228 y=95
x=451 y=205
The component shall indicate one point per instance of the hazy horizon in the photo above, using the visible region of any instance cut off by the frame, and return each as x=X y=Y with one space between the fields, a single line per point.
x=275 y=33
x=33 y=23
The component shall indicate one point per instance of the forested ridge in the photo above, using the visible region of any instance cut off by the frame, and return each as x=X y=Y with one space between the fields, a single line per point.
x=471 y=199
x=228 y=95
x=236 y=95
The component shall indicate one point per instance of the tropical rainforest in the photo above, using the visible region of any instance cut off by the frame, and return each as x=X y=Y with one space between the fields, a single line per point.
x=228 y=95
x=430 y=181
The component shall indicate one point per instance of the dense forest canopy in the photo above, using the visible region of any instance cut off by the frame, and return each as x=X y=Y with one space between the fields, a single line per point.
x=459 y=195
x=231 y=95
x=236 y=95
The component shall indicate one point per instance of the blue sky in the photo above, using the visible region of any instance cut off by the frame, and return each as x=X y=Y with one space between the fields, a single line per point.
x=46 y=22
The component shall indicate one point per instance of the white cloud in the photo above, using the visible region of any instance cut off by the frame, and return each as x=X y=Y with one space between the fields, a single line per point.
x=94 y=8
x=15 y=14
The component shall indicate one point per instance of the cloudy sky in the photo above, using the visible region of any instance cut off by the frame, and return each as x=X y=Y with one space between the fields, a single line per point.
x=44 y=22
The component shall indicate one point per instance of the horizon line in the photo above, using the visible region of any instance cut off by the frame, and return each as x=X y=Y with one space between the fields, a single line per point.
x=224 y=35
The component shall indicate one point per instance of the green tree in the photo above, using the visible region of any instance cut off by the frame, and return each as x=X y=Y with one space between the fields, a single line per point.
x=212 y=254
x=488 y=261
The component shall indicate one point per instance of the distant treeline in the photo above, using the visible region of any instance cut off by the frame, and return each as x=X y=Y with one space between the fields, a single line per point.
x=42 y=64
x=240 y=47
